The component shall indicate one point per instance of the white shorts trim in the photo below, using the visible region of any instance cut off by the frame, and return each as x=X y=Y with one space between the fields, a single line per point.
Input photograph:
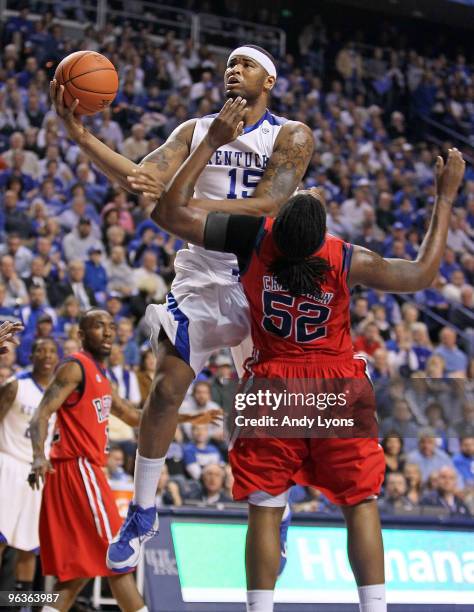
x=260 y=498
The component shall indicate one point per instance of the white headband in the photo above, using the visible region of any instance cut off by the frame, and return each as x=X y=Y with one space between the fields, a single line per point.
x=256 y=55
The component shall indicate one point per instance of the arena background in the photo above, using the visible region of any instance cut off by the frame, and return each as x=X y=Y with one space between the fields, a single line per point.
x=385 y=86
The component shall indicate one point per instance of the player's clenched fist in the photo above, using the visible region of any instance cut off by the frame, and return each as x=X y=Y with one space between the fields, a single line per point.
x=449 y=175
x=228 y=125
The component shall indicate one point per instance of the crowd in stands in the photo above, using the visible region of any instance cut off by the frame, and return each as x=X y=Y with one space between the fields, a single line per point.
x=392 y=67
x=71 y=240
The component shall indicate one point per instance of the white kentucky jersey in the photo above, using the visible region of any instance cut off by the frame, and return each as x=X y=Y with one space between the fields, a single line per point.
x=234 y=170
x=15 y=427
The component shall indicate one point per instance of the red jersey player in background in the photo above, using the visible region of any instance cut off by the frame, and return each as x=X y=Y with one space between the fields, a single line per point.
x=78 y=512
x=301 y=263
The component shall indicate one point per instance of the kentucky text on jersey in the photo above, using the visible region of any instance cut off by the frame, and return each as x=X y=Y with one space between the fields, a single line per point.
x=271 y=284
x=234 y=171
x=239 y=159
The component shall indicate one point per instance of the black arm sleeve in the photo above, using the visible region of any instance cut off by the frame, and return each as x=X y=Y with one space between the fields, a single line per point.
x=232 y=234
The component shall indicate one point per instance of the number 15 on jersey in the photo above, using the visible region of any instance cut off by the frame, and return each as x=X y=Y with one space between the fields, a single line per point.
x=243 y=180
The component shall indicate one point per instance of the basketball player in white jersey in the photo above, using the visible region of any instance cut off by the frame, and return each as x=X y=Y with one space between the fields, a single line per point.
x=206 y=309
x=20 y=396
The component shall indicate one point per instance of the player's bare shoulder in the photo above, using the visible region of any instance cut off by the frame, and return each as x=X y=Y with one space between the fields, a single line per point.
x=295 y=145
x=297 y=133
x=69 y=370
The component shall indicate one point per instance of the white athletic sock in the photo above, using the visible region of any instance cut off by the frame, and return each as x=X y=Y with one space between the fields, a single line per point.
x=49 y=609
x=144 y=609
x=372 y=598
x=259 y=601
x=147 y=475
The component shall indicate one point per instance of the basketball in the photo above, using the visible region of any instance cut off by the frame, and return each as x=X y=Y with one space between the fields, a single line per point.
x=91 y=78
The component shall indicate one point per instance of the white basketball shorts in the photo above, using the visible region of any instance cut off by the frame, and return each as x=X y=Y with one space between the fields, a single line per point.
x=206 y=310
x=19 y=505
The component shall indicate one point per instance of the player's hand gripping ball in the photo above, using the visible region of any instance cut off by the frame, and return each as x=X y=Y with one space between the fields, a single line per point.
x=91 y=78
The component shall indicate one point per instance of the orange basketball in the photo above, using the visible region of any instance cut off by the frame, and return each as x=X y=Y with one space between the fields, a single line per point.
x=91 y=78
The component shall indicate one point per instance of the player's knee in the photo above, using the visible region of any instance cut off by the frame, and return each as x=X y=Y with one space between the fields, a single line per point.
x=367 y=503
x=70 y=589
x=265 y=514
x=71 y=584
x=126 y=580
x=166 y=394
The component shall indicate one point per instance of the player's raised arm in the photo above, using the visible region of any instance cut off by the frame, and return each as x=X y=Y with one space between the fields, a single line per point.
x=173 y=211
x=399 y=275
x=161 y=165
x=67 y=378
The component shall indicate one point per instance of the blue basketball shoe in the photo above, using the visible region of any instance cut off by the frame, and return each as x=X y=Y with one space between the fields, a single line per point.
x=285 y=523
x=139 y=526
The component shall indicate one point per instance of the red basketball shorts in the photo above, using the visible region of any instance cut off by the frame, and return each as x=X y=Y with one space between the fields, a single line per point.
x=346 y=470
x=78 y=518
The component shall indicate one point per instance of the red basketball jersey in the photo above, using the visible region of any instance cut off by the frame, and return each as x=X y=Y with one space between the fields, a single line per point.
x=287 y=326
x=82 y=421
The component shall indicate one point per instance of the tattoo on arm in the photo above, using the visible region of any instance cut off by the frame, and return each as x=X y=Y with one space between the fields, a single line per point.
x=8 y=393
x=287 y=164
x=173 y=152
x=163 y=156
x=67 y=378
x=53 y=391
